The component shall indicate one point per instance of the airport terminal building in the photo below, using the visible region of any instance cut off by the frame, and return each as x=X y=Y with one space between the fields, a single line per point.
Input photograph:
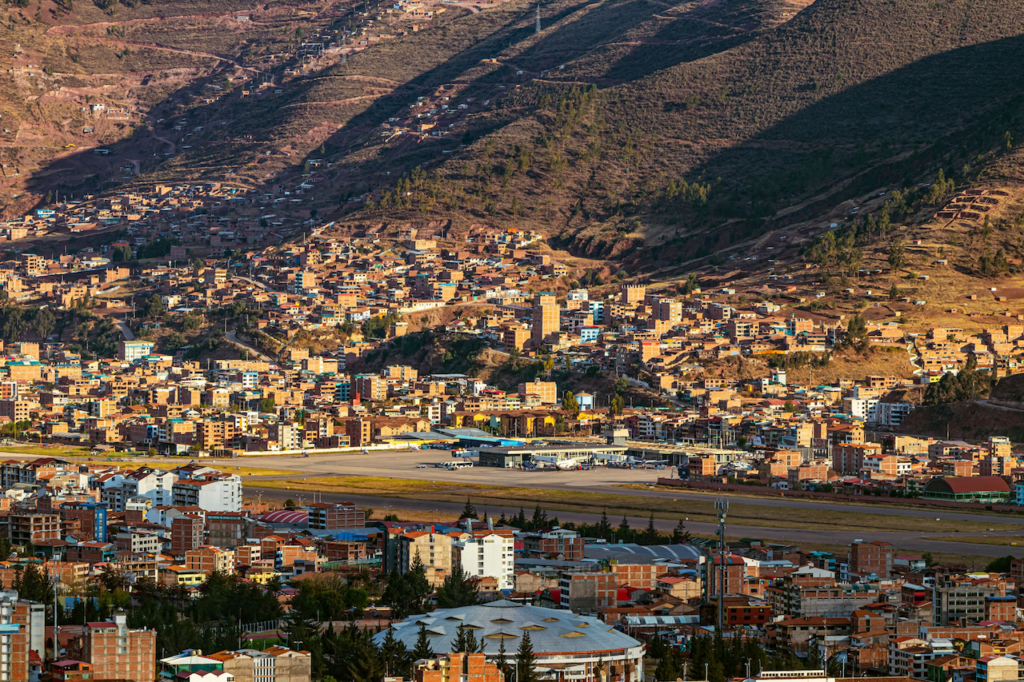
x=564 y=456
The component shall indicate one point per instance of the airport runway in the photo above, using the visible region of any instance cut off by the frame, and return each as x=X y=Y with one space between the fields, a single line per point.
x=406 y=465
x=418 y=465
x=905 y=542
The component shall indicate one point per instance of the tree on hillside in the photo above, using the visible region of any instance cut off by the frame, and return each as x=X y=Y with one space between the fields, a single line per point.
x=570 y=405
x=967 y=384
x=896 y=256
x=856 y=333
x=44 y=322
x=122 y=253
x=154 y=307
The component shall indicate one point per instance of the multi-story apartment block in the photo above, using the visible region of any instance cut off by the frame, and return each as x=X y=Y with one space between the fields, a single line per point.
x=334 y=516
x=488 y=554
x=119 y=654
x=432 y=550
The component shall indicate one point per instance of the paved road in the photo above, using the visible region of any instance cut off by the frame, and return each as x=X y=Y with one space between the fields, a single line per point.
x=128 y=335
x=904 y=541
x=255 y=282
x=233 y=338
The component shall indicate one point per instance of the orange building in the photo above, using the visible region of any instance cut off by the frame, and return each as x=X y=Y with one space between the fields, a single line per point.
x=119 y=653
x=458 y=668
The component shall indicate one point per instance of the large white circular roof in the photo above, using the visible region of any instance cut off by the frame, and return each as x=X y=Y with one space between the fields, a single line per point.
x=552 y=631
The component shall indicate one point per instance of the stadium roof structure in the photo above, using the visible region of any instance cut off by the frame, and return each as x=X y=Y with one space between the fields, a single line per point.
x=553 y=632
x=293 y=516
x=643 y=554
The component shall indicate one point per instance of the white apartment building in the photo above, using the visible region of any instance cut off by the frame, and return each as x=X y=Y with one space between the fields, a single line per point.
x=154 y=484
x=488 y=554
x=861 y=408
x=213 y=494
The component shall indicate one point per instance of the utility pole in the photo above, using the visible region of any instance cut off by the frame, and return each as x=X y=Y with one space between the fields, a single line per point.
x=56 y=627
x=722 y=508
x=538 y=18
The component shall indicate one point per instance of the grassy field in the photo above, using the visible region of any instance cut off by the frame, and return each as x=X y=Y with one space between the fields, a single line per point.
x=1004 y=541
x=617 y=505
x=481 y=495
x=46 y=450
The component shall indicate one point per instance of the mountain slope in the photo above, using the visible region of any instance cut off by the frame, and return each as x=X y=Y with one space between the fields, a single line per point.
x=868 y=90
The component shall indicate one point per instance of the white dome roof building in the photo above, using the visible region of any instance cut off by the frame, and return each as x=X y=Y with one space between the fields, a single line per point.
x=567 y=647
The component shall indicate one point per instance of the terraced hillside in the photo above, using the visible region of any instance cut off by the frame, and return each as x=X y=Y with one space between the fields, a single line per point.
x=656 y=133
x=81 y=78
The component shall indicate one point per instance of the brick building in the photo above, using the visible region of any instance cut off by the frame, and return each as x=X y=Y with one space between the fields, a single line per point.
x=566 y=544
x=327 y=516
x=91 y=518
x=31 y=527
x=186 y=534
x=457 y=668
x=871 y=558
x=210 y=560
x=588 y=592
x=642 y=576
x=119 y=654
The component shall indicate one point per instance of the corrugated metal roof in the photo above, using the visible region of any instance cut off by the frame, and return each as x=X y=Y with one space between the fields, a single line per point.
x=552 y=631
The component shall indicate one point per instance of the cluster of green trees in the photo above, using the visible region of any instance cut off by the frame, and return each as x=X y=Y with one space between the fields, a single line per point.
x=406 y=593
x=211 y=622
x=993 y=265
x=122 y=253
x=456 y=590
x=690 y=285
x=681 y=194
x=624 y=533
x=856 y=336
x=157 y=248
x=968 y=384
x=571 y=108
x=377 y=327
x=15 y=320
x=799 y=360
x=351 y=655
x=617 y=403
x=719 y=660
x=602 y=529
x=836 y=251
x=538 y=521
x=939 y=190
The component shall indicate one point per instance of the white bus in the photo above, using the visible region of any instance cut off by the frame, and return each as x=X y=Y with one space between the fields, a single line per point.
x=462 y=464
